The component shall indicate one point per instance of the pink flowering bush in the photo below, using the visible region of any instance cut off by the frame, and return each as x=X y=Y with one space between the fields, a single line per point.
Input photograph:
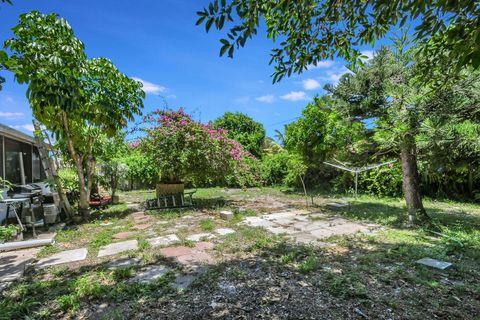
x=187 y=150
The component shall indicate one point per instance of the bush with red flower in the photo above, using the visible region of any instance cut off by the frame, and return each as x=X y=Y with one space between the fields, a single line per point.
x=185 y=150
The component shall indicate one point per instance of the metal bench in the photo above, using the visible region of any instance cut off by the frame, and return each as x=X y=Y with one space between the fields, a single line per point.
x=171 y=201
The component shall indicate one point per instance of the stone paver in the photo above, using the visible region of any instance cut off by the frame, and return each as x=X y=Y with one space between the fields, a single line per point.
x=182 y=282
x=150 y=274
x=200 y=236
x=118 y=247
x=63 y=257
x=124 y=262
x=226 y=215
x=300 y=226
x=190 y=256
x=174 y=252
x=138 y=214
x=281 y=230
x=196 y=257
x=224 y=231
x=142 y=226
x=163 y=241
x=204 y=245
x=122 y=235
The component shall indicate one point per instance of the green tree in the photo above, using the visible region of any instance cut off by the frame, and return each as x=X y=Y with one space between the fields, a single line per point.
x=319 y=133
x=75 y=98
x=244 y=129
x=312 y=30
x=386 y=90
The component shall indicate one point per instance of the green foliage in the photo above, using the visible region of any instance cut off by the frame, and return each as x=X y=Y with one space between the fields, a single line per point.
x=244 y=129
x=207 y=224
x=275 y=168
x=246 y=173
x=72 y=96
x=312 y=31
x=140 y=167
x=7 y=232
x=382 y=181
x=68 y=179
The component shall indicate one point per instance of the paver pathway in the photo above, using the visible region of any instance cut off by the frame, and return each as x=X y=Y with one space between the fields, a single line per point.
x=163 y=241
x=200 y=236
x=150 y=274
x=307 y=228
x=67 y=256
x=118 y=247
x=190 y=256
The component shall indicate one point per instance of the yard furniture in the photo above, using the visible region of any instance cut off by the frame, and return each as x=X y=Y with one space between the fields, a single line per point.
x=171 y=201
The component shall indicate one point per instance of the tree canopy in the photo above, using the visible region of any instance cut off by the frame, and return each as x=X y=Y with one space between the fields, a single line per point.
x=308 y=31
x=76 y=98
x=242 y=128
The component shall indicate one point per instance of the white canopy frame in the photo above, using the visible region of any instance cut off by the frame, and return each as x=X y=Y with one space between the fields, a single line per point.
x=357 y=170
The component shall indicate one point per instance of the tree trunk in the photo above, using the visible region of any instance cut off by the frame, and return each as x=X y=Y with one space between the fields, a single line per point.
x=411 y=186
x=83 y=202
x=470 y=181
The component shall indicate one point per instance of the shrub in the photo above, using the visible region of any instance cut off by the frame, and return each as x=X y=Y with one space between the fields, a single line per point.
x=282 y=168
x=382 y=181
x=183 y=149
x=275 y=167
x=7 y=232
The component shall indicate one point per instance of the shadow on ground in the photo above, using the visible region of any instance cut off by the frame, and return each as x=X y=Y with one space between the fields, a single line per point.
x=363 y=277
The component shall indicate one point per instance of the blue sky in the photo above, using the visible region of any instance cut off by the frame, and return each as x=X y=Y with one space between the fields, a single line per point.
x=158 y=43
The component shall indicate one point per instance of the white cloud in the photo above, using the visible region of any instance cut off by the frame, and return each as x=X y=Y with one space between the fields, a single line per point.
x=368 y=53
x=266 y=98
x=295 y=96
x=149 y=87
x=310 y=84
x=334 y=76
x=11 y=115
x=321 y=64
x=27 y=127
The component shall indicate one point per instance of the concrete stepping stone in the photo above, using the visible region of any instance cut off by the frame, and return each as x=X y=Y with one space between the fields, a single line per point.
x=196 y=257
x=138 y=214
x=224 y=231
x=258 y=222
x=163 y=241
x=437 y=264
x=200 y=236
x=124 y=262
x=189 y=256
x=281 y=230
x=63 y=257
x=118 y=247
x=204 y=245
x=142 y=226
x=182 y=282
x=150 y=274
x=122 y=235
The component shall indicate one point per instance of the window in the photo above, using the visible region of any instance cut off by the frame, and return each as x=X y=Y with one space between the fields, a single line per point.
x=13 y=151
x=37 y=168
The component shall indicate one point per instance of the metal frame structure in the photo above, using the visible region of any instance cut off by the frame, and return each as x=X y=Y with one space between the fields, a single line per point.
x=357 y=170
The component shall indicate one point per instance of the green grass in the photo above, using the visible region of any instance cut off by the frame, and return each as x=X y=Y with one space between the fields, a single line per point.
x=207 y=225
x=47 y=251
